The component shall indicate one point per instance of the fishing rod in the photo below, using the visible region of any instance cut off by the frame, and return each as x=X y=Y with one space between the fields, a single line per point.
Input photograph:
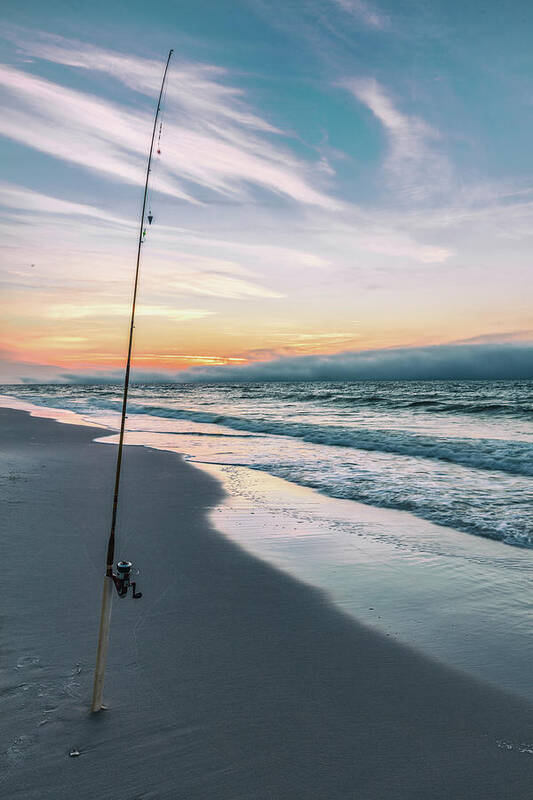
x=121 y=581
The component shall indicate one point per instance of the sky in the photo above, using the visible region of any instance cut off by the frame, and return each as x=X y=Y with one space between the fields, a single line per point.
x=336 y=177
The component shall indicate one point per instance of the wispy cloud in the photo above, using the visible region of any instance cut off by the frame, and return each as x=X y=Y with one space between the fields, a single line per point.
x=194 y=86
x=40 y=212
x=370 y=233
x=76 y=127
x=19 y=197
x=293 y=342
x=221 y=148
x=62 y=311
x=365 y=12
x=329 y=29
x=416 y=165
x=212 y=140
x=215 y=284
x=182 y=271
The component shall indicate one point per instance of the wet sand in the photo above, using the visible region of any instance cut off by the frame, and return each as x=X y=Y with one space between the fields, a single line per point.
x=462 y=600
x=228 y=679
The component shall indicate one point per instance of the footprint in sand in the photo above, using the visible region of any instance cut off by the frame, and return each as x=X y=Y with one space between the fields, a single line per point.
x=19 y=748
x=27 y=661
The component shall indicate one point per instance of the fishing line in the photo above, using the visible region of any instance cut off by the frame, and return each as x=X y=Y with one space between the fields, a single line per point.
x=156 y=167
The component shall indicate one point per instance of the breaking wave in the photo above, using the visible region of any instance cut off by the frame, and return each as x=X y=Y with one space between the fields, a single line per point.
x=515 y=458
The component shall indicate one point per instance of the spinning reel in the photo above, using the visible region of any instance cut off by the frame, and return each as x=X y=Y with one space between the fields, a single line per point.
x=122 y=580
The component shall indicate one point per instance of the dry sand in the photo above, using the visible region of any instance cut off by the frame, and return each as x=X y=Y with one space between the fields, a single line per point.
x=227 y=679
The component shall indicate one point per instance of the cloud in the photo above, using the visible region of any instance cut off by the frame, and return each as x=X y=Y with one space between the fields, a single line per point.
x=76 y=127
x=194 y=85
x=211 y=140
x=258 y=250
x=213 y=284
x=174 y=260
x=494 y=361
x=61 y=311
x=365 y=233
x=415 y=164
x=364 y=12
x=14 y=370
x=499 y=338
x=19 y=197
x=440 y=362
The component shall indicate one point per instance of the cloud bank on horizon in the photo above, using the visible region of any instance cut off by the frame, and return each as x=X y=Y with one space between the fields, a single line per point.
x=468 y=361
x=330 y=181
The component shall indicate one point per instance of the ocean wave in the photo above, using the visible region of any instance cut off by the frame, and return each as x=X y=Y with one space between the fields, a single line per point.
x=513 y=401
x=457 y=482
x=438 y=406
x=514 y=457
x=462 y=512
x=305 y=397
x=445 y=407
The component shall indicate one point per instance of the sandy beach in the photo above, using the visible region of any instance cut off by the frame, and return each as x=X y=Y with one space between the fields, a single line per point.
x=228 y=679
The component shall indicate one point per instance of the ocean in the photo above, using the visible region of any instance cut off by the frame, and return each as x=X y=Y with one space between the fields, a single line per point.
x=459 y=454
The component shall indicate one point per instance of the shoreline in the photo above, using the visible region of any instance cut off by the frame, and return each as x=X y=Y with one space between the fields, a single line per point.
x=228 y=679
x=458 y=599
